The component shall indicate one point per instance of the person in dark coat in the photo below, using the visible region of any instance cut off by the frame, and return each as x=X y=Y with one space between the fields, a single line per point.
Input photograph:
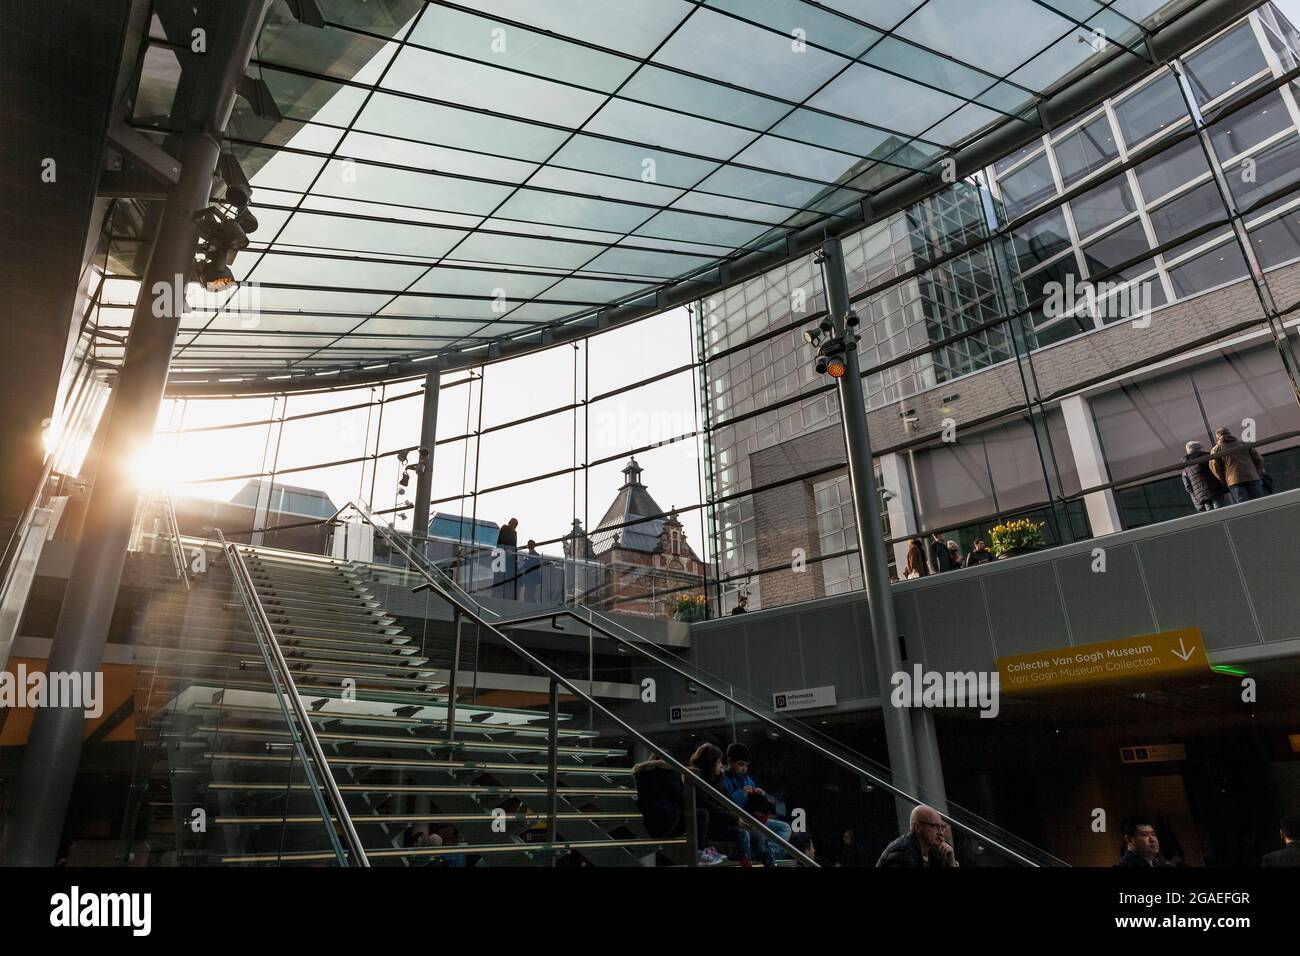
x=660 y=796
x=1201 y=484
x=1289 y=855
x=925 y=844
x=942 y=556
x=530 y=574
x=979 y=554
x=1141 y=845
x=505 y=561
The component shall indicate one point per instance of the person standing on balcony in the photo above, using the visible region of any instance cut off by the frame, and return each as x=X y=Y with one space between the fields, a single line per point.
x=942 y=556
x=530 y=574
x=505 y=561
x=917 y=565
x=1201 y=484
x=979 y=555
x=1238 y=466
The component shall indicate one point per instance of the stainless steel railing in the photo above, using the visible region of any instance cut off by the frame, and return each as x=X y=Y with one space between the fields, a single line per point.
x=469 y=608
x=329 y=800
x=789 y=727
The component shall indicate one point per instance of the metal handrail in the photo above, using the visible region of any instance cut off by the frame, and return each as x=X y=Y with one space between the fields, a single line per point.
x=687 y=774
x=640 y=648
x=407 y=550
x=279 y=671
x=174 y=531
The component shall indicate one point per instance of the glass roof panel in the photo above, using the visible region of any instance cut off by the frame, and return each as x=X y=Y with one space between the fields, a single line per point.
x=430 y=173
x=819 y=27
x=978 y=33
x=627 y=26
x=710 y=41
x=482 y=86
x=679 y=91
x=514 y=47
x=889 y=101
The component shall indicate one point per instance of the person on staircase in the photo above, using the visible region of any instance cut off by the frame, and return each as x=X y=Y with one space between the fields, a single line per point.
x=742 y=790
x=661 y=798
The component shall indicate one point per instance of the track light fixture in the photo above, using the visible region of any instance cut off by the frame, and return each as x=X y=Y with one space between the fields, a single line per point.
x=223 y=229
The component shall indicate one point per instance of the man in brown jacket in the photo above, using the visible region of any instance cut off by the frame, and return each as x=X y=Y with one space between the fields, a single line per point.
x=1237 y=466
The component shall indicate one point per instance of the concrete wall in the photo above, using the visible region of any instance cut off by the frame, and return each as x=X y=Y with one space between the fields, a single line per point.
x=1231 y=572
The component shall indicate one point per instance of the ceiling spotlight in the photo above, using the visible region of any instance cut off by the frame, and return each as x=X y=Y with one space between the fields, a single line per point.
x=812 y=337
x=222 y=238
x=215 y=274
x=246 y=221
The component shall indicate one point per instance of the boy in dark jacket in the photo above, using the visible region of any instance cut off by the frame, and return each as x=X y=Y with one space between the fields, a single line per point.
x=740 y=787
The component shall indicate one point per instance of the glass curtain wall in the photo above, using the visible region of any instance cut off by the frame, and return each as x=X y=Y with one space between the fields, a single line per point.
x=1038 y=341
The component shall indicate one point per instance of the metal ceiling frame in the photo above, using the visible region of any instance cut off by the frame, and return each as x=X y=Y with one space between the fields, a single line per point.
x=1187 y=29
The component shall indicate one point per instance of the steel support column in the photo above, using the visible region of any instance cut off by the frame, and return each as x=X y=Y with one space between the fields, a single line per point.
x=53 y=751
x=428 y=435
x=871 y=544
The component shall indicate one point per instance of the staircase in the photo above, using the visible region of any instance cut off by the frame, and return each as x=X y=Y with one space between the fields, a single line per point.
x=219 y=771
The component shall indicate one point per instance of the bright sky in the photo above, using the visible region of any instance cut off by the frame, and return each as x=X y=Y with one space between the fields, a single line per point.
x=510 y=390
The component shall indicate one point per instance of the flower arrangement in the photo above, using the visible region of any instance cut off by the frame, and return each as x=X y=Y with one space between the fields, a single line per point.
x=1011 y=536
x=691 y=607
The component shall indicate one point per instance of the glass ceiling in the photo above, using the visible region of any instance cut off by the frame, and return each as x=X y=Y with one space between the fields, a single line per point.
x=430 y=178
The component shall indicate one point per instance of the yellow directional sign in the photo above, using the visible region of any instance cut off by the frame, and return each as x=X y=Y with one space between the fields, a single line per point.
x=1163 y=655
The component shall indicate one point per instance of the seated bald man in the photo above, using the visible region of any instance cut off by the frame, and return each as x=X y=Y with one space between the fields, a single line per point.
x=924 y=844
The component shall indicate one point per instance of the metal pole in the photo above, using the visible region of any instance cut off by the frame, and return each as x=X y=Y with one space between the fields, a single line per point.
x=452 y=690
x=424 y=481
x=692 y=829
x=53 y=750
x=866 y=509
x=553 y=767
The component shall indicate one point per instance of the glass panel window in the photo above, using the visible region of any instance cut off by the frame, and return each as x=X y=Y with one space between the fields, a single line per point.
x=1144 y=425
x=1086 y=150
x=1039 y=240
x=1099 y=208
x=1015 y=464
x=1278 y=240
x=1250 y=126
x=1006 y=162
x=1028 y=186
x=952 y=485
x=1264 y=173
x=1155 y=107
x=1250 y=383
x=1175 y=167
x=1222 y=264
x=1125 y=243
x=1223 y=64
x=1190 y=210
